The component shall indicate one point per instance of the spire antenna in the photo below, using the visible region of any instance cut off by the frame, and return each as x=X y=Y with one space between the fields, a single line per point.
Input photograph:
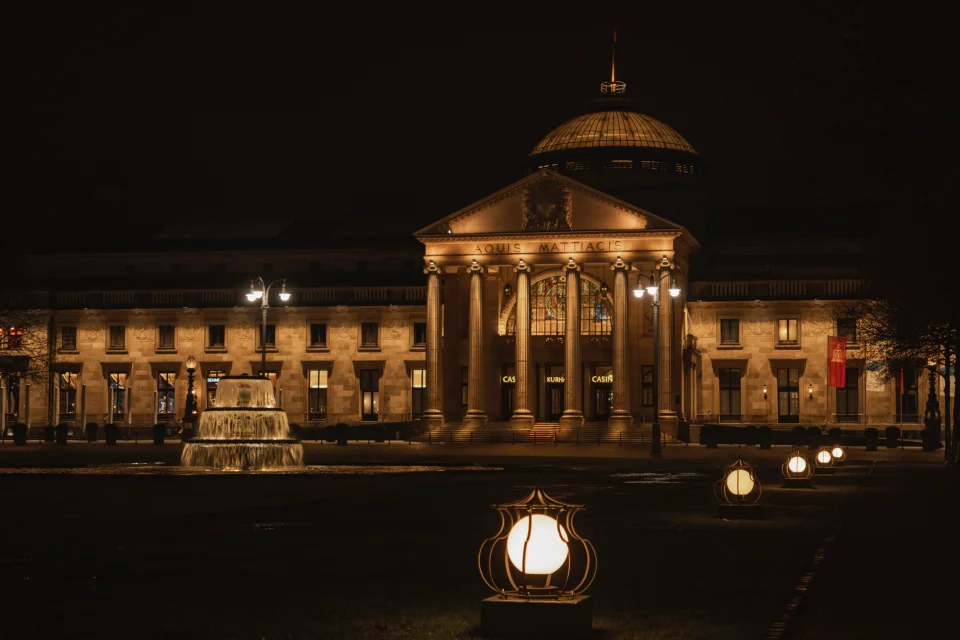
x=613 y=58
x=614 y=87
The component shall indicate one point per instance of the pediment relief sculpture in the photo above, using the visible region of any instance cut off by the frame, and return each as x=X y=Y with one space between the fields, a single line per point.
x=546 y=207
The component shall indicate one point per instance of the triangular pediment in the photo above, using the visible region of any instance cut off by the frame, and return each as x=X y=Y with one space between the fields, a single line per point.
x=546 y=202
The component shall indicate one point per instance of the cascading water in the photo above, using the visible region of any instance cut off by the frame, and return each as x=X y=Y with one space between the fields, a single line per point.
x=244 y=431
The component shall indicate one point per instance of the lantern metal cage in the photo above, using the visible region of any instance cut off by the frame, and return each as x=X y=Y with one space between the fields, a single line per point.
x=532 y=563
x=739 y=485
x=824 y=459
x=797 y=467
x=839 y=454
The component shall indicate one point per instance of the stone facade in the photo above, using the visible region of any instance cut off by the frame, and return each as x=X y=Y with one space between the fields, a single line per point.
x=142 y=358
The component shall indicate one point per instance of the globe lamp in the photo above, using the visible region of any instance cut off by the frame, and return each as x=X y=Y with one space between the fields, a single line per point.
x=824 y=460
x=540 y=549
x=838 y=453
x=738 y=490
x=537 y=558
x=796 y=470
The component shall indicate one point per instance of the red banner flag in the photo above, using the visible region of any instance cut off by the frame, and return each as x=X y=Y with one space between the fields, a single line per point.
x=838 y=362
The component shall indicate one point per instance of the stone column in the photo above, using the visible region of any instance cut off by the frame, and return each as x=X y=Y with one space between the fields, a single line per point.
x=475 y=417
x=665 y=389
x=433 y=413
x=573 y=389
x=620 y=412
x=522 y=414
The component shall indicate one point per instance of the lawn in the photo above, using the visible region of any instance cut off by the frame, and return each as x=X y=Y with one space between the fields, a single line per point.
x=389 y=556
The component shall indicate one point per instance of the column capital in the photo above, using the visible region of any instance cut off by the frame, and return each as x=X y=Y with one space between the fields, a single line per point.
x=571 y=266
x=620 y=265
x=476 y=267
x=665 y=263
x=523 y=267
x=433 y=267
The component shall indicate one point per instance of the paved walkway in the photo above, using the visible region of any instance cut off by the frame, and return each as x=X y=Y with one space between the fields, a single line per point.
x=892 y=570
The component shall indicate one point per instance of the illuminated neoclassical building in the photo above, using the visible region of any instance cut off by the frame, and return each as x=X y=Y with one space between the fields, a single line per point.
x=527 y=319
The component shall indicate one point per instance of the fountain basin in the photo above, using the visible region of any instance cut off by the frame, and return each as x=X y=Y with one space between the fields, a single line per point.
x=243 y=455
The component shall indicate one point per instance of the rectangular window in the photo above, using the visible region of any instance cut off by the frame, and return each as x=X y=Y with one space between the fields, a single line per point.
x=369 y=394
x=907 y=395
x=118 y=390
x=166 y=337
x=418 y=398
x=420 y=334
x=464 y=385
x=369 y=334
x=68 y=395
x=216 y=336
x=317 y=393
x=68 y=338
x=646 y=386
x=213 y=379
x=271 y=338
x=730 y=394
x=730 y=331
x=788 y=395
x=787 y=330
x=118 y=337
x=318 y=335
x=847 y=328
x=12 y=338
x=848 y=398
x=166 y=386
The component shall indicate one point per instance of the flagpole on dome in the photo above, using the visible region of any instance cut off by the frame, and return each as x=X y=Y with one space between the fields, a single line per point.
x=614 y=86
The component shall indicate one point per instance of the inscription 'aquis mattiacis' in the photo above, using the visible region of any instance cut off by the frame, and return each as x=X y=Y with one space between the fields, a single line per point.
x=581 y=246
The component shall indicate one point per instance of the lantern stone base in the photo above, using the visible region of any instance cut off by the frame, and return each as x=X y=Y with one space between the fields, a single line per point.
x=523 y=618
x=740 y=510
x=822 y=470
x=796 y=483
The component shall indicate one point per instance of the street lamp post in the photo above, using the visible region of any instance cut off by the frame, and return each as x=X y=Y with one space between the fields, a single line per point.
x=190 y=405
x=653 y=290
x=263 y=295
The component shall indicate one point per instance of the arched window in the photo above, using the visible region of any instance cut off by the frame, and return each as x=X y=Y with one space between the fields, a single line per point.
x=548 y=306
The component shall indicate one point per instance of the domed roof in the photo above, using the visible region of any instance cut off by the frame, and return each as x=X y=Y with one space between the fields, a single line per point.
x=612 y=129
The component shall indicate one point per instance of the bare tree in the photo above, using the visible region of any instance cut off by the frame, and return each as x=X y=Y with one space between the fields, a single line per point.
x=25 y=347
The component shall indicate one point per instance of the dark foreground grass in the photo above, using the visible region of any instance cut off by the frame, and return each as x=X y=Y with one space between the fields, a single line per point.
x=388 y=557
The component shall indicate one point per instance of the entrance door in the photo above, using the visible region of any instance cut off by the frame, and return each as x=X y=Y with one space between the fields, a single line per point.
x=554 y=386
x=601 y=385
x=555 y=398
x=788 y=395
x=508 y=384
x=602 y=399
x=369 y=395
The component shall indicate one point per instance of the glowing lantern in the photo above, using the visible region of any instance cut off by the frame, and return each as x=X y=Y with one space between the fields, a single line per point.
x=796 y=471
x=537 y=553
x=824 y=460
x=738 y=488
x=838 y=453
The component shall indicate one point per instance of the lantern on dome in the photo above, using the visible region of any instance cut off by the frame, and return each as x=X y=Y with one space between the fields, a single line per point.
x=739 y=490
x=796 y=470
x=537 y=558
x=824 y=460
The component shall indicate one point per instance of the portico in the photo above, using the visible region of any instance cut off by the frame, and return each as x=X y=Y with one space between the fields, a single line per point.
x=530 y=318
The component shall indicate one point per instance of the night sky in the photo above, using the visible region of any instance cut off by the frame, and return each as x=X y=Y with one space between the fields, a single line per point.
x=824 y=118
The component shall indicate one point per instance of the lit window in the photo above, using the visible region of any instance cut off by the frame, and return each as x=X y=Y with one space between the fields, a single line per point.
x=317 y=393
x=68 y=395
x=166 y=390
x=787 y=330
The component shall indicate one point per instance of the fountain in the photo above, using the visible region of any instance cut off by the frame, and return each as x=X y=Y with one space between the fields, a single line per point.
x=244 y=431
